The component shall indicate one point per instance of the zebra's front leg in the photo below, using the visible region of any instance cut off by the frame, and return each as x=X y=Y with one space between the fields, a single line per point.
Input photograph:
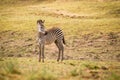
x=39 y=52
x=42 y=51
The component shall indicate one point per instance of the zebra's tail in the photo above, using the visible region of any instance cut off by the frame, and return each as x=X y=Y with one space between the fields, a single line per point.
x=64 y=41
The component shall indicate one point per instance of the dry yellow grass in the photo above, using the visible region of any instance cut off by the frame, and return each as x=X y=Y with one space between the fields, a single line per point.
x=31 y=69
x=92 y=32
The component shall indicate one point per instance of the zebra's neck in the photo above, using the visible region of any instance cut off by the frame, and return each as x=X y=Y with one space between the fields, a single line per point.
x=40 y=35
x=40 y=28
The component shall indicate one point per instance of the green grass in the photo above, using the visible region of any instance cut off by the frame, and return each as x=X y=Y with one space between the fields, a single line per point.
x=74 y=73
x=31 y=69
x=113 y=76
x=11 y=67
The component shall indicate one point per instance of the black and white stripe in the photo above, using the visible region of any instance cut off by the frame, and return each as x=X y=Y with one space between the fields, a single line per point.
x=46 y=37
x=52 y=35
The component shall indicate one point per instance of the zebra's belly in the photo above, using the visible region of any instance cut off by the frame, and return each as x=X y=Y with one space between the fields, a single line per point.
x=49 y=40
x=47 y=43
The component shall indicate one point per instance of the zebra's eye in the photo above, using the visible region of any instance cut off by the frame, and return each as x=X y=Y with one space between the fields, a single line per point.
x=42 y=26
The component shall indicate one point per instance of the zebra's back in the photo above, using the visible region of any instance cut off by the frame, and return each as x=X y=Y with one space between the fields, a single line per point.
x=53 y=34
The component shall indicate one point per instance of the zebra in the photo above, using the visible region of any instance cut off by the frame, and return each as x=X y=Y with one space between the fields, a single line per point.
x=46 y=37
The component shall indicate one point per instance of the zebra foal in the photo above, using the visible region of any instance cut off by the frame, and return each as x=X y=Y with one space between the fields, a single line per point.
x=46 y=37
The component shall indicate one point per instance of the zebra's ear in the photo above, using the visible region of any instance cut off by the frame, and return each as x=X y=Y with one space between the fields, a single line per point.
x=43 y=21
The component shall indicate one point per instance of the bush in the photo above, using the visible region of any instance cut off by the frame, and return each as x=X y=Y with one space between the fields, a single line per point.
x=114 y=76
x=45 y=74
x=74 y=72
x=11 y=67
x=92 y=66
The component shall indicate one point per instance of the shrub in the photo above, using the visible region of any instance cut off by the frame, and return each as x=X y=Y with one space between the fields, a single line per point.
x=74 y=72
x=91 y=66
x=45 y=74
x=114 y=76
x=11 y=67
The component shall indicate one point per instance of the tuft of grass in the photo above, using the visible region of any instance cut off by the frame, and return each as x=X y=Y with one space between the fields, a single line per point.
x=44 y=74
x=32 y=75
x=9 y=70
x=72 y=64
x=114 y=76
x=2 y=77
x=11 y=67
x=74 y=72
x=91 y=66
x=1 y=59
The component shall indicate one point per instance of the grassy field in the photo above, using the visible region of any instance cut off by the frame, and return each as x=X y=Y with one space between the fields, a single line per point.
x=92 y=34
x=31 y=69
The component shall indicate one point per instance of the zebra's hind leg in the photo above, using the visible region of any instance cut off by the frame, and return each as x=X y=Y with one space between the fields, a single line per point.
x=56 y=42
x=61 y=49
x=58 y=56
x=62 y=52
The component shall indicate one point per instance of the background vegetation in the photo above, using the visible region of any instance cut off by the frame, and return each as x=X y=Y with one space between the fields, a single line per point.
x=92 y=34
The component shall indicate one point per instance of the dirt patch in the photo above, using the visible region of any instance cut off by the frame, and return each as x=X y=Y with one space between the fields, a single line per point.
x=65 y=13
x=86 y=47
x=55 y=12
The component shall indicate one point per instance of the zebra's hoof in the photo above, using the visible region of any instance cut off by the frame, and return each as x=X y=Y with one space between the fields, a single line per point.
x=57 y=60
x=39 y=60
x=43 y=61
